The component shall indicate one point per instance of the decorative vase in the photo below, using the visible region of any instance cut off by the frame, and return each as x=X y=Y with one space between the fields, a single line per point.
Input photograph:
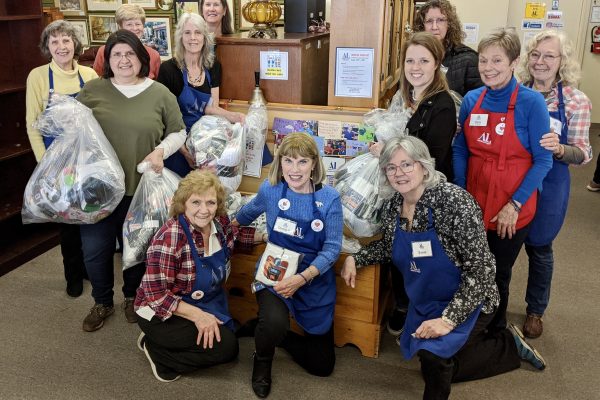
x=262 y=13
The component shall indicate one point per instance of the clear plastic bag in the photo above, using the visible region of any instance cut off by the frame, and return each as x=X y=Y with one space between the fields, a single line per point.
x=148 y=211
x=220 y=146
x=79 y=180
x=389 y=123
x=360 y=184
x=255 y=128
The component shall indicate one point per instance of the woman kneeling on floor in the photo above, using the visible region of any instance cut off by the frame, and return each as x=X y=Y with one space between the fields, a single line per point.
x=183 y=336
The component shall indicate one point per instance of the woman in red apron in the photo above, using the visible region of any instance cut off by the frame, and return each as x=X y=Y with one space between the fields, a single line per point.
x=550 y=69
x=181 y=302
x=498 y=157
x=434 y=235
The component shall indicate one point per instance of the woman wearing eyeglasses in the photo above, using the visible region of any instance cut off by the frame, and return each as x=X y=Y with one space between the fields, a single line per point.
x=551 y=69
x=439 y=17
x=434 y=235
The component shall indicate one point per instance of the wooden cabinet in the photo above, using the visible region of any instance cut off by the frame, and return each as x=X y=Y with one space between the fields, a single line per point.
x=21 y=24
x=308 y=63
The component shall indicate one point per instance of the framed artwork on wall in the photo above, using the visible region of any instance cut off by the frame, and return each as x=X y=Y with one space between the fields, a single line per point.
x=103 y=5
x=101 y=26
x=186 y=7
x=147 y=4
x=81 y=25
x=165 y=5
x=71 y=7
x=157 y=34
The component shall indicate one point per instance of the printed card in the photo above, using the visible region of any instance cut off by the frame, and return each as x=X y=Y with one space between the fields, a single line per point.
x=330 y=129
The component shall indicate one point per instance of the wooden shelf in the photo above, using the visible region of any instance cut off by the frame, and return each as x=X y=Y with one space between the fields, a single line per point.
x=14 y=150
x=19 y=17
x=11 y=87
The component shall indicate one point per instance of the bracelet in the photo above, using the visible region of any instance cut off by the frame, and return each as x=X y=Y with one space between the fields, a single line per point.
x=447 y=321
x=305 y=280
x=515 y=205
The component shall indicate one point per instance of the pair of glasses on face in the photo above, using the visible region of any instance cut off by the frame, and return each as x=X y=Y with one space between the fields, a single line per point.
x=130 y=55
x=406 y=167
x=438 y=21
x=535 y=56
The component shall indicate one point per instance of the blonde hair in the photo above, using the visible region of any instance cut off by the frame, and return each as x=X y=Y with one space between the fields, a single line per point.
x=569 y=71
x=505 y=38
x=197 y=182
x=207 y=56
x=128 y=12
x=296 y=145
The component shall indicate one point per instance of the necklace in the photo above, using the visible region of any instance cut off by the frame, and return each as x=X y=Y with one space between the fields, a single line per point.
x=197 y=80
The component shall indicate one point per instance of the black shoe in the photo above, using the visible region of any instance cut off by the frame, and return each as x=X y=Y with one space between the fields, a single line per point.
x=75 y=288
x=247 y=330
x=395 y=324
x=261 y=376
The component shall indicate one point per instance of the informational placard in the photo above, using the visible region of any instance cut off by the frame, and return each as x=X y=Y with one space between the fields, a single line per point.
x=554 y=20
x=527 y=36
x=472 y=32
x=354 y=72
x=595 y=16
x=532 y=24
x=535 y=10
x=274 y=65
x=254 y=155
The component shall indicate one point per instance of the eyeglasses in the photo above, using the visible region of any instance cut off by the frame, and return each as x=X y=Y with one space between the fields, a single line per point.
x=406 y=167
x=534 y=56
x=438 y=21
x=128 y=55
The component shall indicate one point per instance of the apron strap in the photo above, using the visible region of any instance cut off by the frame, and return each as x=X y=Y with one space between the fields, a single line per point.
x=50 y=80
x=509 y=127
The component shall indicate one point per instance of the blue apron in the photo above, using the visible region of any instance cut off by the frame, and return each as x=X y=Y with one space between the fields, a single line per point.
x=430 y=283
x=211 y=272
x=49 y=139
x=313 y=304
x=192 y=104
x=554 y=198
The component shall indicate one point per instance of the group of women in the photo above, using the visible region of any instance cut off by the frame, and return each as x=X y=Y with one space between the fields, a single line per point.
x=450 y=250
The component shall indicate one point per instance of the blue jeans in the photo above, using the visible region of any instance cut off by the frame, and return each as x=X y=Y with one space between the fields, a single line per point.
x=541 y=266
x=98 y=245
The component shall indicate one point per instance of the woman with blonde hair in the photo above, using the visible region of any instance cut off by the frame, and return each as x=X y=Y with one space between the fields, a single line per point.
x=550 y=68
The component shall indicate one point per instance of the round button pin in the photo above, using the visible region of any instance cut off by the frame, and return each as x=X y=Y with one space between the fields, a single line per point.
x=197 y=294
x=284 y=204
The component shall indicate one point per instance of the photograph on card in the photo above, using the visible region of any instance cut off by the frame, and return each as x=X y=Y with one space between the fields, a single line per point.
x=335 y=147
x=355 y=148
x=350 y=130
x=366 y=133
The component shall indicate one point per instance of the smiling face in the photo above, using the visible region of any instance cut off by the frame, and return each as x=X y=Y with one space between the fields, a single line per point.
x=495 y=68
x=436 y=23
x=201 y=209
x=135 y=26
x=62 y=49
x=213 y=11
x=192 y=38
x=297 y=172
x=544 y=62
x=405 y=183
x=124 y=64
x=419 y=67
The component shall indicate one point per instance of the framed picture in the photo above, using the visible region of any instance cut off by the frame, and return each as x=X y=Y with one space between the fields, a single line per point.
x=244 y=25
x=103 y=5
x=147 y=4
x=186 y=7
x=81 y=25
x=71 y=7
x=157 y=34
x=165 y=5
x=101 y=26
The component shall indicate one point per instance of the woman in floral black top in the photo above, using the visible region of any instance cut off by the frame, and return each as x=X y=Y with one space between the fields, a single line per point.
x=433 y=233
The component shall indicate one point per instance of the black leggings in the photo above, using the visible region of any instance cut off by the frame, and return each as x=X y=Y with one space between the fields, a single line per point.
x=314 y=353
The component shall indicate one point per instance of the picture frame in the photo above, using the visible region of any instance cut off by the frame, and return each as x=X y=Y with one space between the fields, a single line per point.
x=103 y=5
x=84 y=31
x=244 y=25
x=71 y=7
x=186 y=6
x=145 y=4
x=165 y=5
x=157 y=34
x=101 y=26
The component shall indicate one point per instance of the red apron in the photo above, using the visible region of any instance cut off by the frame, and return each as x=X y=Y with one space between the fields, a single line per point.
x=498 y=162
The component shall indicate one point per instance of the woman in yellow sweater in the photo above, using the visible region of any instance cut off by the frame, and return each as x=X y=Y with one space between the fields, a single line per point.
x=61 y=44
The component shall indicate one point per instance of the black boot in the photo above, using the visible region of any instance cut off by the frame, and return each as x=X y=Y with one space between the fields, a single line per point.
x=261 y=376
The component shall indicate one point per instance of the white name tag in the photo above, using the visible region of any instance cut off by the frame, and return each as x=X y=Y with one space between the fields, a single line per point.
x=478 y=120
x=145 y=312
x=285 y=226
x=556 y=126
x=421 y=249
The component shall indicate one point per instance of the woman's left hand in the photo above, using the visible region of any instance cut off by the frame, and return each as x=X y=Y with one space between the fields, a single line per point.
x=239 y=117
x=156 y=160
x=433 y=328
x=551 y=141
x=287 y=287
x=506 y=221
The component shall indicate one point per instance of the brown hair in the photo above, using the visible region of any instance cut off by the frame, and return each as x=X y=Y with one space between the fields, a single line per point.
x=295 y=145
x=197 y=182
x=454 y=33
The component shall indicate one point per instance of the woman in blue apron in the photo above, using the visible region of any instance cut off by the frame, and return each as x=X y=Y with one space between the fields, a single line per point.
x=303 y=216
x=63 y=75
x=181 y=303
x=434 y=235
x=193 y=75
x=550 y=69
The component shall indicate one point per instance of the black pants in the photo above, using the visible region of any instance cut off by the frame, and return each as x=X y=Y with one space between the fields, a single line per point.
x=70 y=248
x=314 y=353
x=483 y=355
x=505 y=251
x=400 y=296
x=172 y=344
x=596 y=177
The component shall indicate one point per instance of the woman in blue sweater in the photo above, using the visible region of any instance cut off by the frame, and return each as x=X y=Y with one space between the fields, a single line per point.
x=498 y=156
x=304 y=216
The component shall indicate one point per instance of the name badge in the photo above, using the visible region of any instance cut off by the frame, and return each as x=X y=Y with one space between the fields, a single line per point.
x=285 y=226
x=556 y=126
x=478 y=120
x=421 y=249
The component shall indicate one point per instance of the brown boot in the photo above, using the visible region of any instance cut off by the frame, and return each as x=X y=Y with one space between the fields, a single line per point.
x=533 y=326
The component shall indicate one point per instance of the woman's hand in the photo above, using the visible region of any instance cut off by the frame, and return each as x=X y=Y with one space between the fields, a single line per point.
x=156 y=160
x=375 y=149
x=237 y=117
x=287 y=287
x=551 y=141
x=188 y=156
x=208 y=327
x=506 y=221
x=433 y=328
x=348 y=273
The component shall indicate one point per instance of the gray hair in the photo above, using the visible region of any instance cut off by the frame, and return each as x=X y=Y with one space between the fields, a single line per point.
x=207 y=57
x=416 y=149
x=60 y=27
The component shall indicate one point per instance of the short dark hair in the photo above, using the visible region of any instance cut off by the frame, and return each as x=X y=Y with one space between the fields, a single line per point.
x=129 y=38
